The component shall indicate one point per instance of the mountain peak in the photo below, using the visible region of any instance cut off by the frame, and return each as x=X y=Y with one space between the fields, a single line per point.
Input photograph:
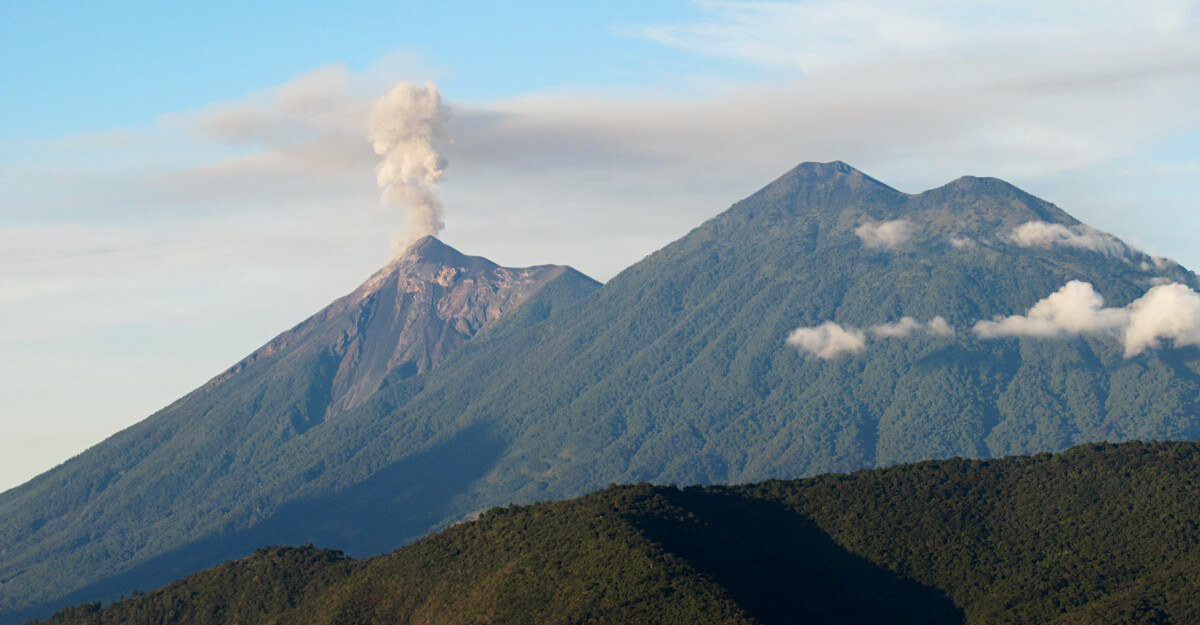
x=833 y=171
x=832 y=180
x=825 y=170
x=431 y=249
x=408 y=316
x=429 y=253
x=990 y=203
x=824 y=190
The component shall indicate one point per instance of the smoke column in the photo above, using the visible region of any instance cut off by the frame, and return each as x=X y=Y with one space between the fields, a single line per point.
x=403 y=126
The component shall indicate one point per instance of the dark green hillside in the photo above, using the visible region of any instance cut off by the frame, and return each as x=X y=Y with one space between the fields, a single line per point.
x=272 y=581
x=675 y=370
x=1100 y=534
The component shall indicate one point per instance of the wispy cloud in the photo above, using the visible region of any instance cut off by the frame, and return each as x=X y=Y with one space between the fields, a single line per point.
x=808 y=36
x=1043 y=234
x=906 y=326
x=885 y=234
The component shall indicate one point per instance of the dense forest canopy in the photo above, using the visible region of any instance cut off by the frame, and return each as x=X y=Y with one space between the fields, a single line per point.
x=1097 y=534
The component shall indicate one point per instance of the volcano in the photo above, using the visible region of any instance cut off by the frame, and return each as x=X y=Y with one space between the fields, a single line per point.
x=446 y=385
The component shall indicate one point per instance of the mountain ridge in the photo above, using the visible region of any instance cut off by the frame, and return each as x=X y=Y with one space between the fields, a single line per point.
x=677 y=370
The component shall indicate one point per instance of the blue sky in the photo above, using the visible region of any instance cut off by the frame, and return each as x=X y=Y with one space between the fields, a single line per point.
x=181 y=183
x=81 y=67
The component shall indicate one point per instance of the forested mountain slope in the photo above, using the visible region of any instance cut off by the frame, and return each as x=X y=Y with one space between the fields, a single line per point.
x=686 y=367
x=678 y=369
x=1100 y=534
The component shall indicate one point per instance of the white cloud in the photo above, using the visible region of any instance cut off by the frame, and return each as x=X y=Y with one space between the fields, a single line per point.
x=962 y=242
x=1073 y=309
x=828 y=340
x=809 y=36
x=1045 y=234
x=939 y=326
x=906 y=326
x=885 y=234
x=1165 y=312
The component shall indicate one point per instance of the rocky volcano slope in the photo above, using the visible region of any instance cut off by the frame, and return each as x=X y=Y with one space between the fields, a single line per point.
x=210 y=464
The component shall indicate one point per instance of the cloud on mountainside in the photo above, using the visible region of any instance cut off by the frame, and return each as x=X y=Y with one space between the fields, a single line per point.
x=1044 y=234
x=907 y=325
x=1076 y=308
x=1165 y=312
x=829 y=339
x=885 y=234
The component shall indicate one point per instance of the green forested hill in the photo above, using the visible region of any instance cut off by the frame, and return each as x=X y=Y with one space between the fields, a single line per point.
x=1100 y=534
x=676 y=370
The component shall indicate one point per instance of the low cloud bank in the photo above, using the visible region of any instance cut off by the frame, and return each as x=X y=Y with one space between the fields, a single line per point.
x=1165 y=312
x=830 y=339
x=885 y=234
x=1045 y=234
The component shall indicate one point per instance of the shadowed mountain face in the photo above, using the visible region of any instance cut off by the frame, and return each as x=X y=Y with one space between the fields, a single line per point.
x=676 y=370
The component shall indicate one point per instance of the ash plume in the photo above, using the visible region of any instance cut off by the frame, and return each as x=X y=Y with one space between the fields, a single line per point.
x=403 y=126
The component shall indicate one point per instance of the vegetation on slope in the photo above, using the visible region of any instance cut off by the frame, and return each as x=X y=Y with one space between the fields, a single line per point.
x=1099 y=534
x=676 y=370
